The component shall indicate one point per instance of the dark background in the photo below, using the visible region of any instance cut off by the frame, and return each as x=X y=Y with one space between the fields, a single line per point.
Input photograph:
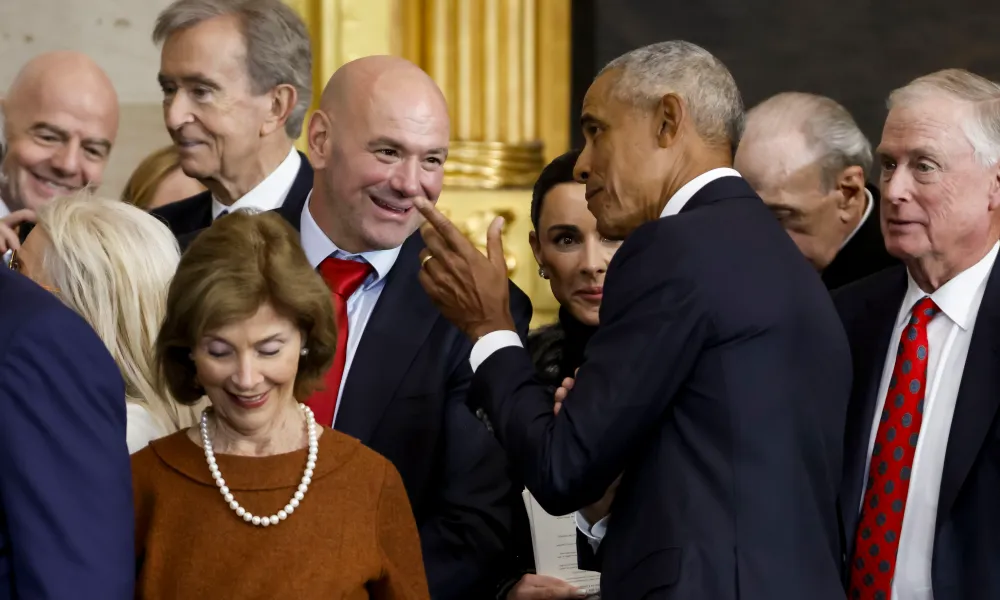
x=854 y=51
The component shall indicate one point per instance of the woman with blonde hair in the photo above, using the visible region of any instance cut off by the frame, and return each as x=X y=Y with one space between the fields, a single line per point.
x=112 y=263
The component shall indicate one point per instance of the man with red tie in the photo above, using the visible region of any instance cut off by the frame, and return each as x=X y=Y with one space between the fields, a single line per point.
x=922 y=466
x=401 y=373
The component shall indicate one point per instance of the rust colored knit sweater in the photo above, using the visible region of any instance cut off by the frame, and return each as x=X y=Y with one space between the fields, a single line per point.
x=353 y=537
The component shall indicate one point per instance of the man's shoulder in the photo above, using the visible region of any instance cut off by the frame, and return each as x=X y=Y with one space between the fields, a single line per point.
x=177 y=213
x=34 y=317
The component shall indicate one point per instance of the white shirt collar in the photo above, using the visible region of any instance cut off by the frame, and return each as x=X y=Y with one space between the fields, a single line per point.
x=318 y=247
x=689 y=189
x=955 y=297
x=270 y=193
x=4 y=210
x=868 y=211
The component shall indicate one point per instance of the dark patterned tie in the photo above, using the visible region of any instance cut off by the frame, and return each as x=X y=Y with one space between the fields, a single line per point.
x=877 y=538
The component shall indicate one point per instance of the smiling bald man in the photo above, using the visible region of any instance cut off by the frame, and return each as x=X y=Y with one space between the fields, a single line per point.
x=61 y=120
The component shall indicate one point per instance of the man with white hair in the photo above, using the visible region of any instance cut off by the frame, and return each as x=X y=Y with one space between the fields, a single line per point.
x=718 y=380
x=922 y=464
x=236 y=77
x=807 y=159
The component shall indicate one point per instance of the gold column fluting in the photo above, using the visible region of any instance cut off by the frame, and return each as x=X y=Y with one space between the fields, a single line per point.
x=482 y=53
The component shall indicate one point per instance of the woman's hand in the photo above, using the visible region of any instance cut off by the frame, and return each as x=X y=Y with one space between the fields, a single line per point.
x=8 y=228
x=541 y=587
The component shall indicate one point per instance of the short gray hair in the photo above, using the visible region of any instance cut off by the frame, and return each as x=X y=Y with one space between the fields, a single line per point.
x=827 y=127
x=982 y=96
x=693 y=73
x=277 y=44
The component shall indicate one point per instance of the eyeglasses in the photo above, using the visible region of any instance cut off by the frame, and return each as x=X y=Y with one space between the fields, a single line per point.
x=14 y=264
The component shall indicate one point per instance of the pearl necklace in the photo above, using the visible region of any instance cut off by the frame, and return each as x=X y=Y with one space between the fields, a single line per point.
x=281 y=515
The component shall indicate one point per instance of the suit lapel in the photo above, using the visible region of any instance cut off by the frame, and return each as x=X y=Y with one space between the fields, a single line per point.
x=295 y=201
x=396 y=330
x=978 y=398
x=873 y=330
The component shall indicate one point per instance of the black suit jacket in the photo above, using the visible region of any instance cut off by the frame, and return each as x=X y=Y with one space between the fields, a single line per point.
x=405 y=397
x=717 y=384
x=186 y=218
x=864 y=254
x=966 y=561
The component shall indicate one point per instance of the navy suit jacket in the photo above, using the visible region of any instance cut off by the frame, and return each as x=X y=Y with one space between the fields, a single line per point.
x=66 y=521
x=186 y=218
x=966 y=562
x=405 y=397
x=717 y=384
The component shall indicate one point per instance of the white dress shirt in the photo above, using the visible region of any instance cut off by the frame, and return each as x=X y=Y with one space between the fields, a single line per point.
x=362 y=302
x=491 y=342
x=864 y=217
x=270 y=193
x=4 y=209
x=948 y=337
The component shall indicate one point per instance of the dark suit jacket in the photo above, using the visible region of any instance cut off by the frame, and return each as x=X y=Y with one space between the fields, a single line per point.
x=864 y=254
x=405 y=397
x=186 y=218
x=66 y=524
x=966 y=561
x=717 y=384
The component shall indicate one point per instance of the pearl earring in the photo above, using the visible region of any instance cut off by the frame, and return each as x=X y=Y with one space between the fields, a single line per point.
x=304 y=351
x=542 y=273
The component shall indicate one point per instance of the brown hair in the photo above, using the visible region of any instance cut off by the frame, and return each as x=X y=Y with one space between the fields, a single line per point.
x=229 y=271
x=146 y=178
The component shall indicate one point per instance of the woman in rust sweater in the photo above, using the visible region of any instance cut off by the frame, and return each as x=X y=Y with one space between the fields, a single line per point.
x=257 y=500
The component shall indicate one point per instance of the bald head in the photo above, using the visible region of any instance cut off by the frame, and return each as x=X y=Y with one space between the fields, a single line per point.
x=379 y=140
x=376 y=79
x=61 y=119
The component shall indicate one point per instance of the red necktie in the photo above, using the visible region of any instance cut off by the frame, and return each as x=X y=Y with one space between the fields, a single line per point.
x=877 y=538
x=343 y=277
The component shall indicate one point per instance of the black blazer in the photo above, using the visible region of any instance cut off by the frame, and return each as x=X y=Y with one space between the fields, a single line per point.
x=186 y=218
x=717 y=385
x=864 y=254
x=405 y=397
x=966 y=562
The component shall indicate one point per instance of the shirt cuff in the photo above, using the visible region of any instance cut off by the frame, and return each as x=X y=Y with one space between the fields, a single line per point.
x=490 y=343
x=594 y=533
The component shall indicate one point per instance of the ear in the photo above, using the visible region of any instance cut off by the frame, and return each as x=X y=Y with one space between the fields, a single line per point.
x=536 y=247
x=670 y=114
x=851 y=187
x=283 y=99
x=318 y=136
x=995 y=188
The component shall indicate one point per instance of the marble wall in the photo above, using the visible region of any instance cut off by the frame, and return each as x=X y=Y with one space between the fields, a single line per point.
x=115 y=33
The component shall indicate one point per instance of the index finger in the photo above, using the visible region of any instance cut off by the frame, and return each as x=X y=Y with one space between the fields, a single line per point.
x=19 y=216
x=446 y=228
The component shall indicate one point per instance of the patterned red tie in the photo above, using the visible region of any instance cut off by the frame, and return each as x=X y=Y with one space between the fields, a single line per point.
x=343 y=277
x=877 y=538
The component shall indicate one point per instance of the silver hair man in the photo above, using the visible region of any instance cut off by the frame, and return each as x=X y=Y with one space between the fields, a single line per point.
x=807 y=159
x=691 y=72
x=982 y=97
x=277 y=44
x=236 y=77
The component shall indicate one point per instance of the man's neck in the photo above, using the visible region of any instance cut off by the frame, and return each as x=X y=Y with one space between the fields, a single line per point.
x=319 y=208
x=697 y=164
x=229 y=189
x=932 y=272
